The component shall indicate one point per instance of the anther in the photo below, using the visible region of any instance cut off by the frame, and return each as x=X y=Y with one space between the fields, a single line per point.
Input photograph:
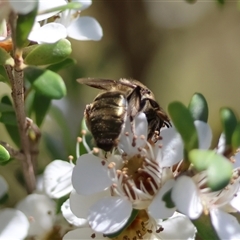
x=103 y=162
x=70 y=158
x=79 y=139
x=93 y=235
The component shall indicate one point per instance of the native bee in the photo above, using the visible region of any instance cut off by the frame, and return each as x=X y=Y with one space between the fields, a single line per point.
x=120 y=99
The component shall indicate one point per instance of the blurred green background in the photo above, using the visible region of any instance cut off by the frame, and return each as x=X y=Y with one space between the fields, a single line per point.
x=173 y=47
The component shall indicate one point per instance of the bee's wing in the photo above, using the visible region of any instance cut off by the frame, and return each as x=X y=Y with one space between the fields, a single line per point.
x=104 y=84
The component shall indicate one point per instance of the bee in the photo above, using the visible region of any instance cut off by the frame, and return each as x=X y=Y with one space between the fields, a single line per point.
x=105 y=117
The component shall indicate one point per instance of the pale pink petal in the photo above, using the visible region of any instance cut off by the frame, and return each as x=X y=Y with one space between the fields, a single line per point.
x=226 y=225
x=13 y=223
x=178 y=227
x=83 y=234
x=85 y=28
x=204 y=134
x=158 y=209
x=90 y=175
x=80 y=204
x=110 y=214
x=185 y=196
x=57 y=178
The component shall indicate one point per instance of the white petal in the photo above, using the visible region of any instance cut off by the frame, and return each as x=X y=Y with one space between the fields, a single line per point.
x=46 y=5
x=57 y=178
x=204 y=134
x=13 y=223
x=90 y=175
x=3 y=187
x=158 y=209
x=185 y=196
x=41 y=212
x=48 y=33
x=84 y=3
x=23 y=7
x=80 y=204
x=85 y=28
x=237 y=161
x=109 y=214
x=70 y=217
x=141 y=129
x=178 y=227
x=83 y=233
x=172 y=147
x=235 y=202
x=221 y=144
x=226 y=225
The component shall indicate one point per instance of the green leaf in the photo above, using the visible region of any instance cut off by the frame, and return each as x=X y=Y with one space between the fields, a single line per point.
x=168 y=199
x=28 y=49
x=71 y=5
x=236 y=137
x=219 y=173
x=6 y=108
x=40 y=107
x=229 y=123
x=221 y=1
x=130 y=220
x=46 y=82
x=4 y=154
x=204 y=228
x=183 y=122
x=4 y=198
x=3 y=75
x=45 y=54
x=198 y=107
x=24 y=26
x=201 y=159
x=218 y=168
x=5 y=58
x=10 y=122
x=61 y=65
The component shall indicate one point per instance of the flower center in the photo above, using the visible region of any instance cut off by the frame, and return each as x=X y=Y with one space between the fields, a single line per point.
x=139 y=180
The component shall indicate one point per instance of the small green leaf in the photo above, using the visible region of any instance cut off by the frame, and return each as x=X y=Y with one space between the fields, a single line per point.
x=4 y=198
x=28 y=49
x=183 y=122
x=204 y=228
x=4 y=154
x=219 y=173
x=229 y=123
x=198 y=107
x=3 y=75
x=168 y=199
x=236 y=137
x=201 y=159
x=40 y=107
x=24 y=26
x=45 y=54
x=46 y=82
x=218 y=168
x=11 y=125
x=221 y=2
x=61 y=65
x=5 y=58
x=6 y=108
x=130 y=220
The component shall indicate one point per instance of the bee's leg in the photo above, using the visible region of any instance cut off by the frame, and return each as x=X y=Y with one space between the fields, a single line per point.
x=134 y=100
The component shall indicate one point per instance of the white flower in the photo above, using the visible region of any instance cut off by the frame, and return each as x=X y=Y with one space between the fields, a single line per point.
x=19 y=6
x=40 y=210
x=57 y=178
x=192 y=197
x=69 y=23
x=13 y=223
x=137 y=182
